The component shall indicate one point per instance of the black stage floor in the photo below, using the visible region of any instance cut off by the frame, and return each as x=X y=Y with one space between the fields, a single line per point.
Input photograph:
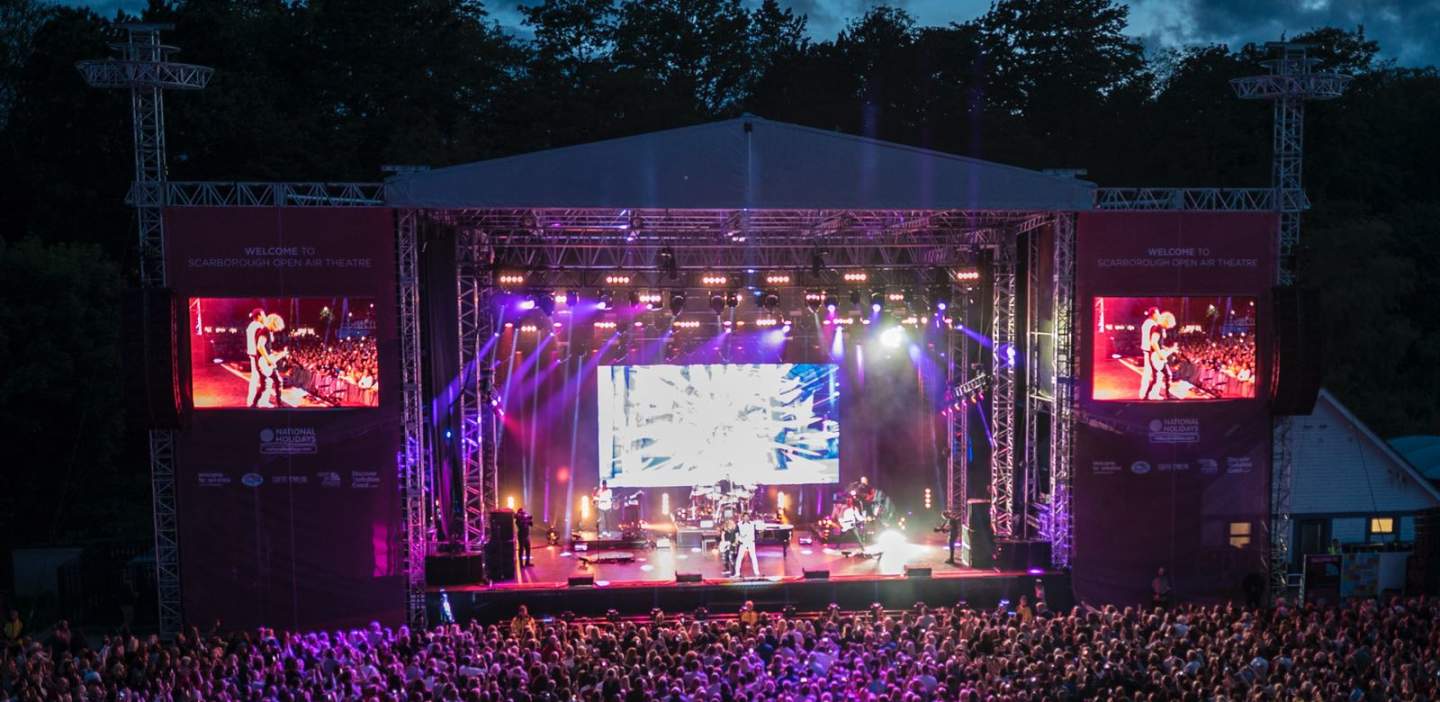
x=649 y=581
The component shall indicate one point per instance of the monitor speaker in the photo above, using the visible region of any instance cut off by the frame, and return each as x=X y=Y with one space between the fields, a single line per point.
x=918 y=572
x=151 y=347
x=582 y=581
x=1298 y=361
x=817 y=574
x=687 y=577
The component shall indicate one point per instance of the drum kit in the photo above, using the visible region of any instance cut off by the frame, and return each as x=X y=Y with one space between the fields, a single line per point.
x=718 y=502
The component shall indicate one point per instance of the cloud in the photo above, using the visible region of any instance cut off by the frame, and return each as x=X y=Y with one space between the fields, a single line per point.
x=1405 y=29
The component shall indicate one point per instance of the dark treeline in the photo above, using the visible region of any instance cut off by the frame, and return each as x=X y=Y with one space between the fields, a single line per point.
x=331 y=90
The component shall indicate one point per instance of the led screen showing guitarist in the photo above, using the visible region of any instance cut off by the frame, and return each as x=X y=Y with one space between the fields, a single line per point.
x=284 y=353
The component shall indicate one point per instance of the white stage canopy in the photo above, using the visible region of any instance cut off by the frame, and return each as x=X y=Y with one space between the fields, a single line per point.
x=743 y=163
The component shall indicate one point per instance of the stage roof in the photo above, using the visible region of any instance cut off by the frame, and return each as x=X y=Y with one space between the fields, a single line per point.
x=742 y=163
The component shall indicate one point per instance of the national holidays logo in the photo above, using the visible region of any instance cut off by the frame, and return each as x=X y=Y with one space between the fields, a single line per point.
x=1140 y=467
x=252 y=480
x=1175 y=430
x=288 y=441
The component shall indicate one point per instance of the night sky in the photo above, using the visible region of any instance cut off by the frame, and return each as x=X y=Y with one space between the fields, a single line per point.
x=1406 y=29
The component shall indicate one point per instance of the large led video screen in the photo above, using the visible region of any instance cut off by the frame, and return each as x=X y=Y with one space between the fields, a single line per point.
x=1174 y=349
x=283 y=353
x=769 y=424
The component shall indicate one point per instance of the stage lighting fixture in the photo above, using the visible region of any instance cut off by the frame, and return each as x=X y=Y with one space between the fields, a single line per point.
x=546 y=302
x=777 y=279
x=907 y=296
x=855 y=299
x=667 y=263
x=892 y=337
x=508 y=279
x=770 y=301
x=831 y=302
x=813 y=299
x=877 y=300
x=527 y=304
x=732 y=299
x=572 y=298
x=617 y=279
x=717 y=303
x=604 y=300
x=714 y=279
x=940 y=298
x=677 y=303
x=817 y=261
x=855 y=277
x=634 y=298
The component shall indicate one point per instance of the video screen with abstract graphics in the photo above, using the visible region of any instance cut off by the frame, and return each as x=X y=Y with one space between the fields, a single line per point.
x=283 y=353
x=1174 y=349
x=770 y=424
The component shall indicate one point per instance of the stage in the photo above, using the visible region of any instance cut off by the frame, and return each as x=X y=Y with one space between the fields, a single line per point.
x=649 y=581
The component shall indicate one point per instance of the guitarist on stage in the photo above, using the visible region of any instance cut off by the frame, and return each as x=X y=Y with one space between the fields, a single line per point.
x=604 y=502
x=265 y=360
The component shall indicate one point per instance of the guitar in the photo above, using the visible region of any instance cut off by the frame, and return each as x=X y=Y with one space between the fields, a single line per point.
x=268 y=367
x=604 y=500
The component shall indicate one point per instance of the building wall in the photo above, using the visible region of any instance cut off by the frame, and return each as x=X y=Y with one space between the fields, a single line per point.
x=1339 y=468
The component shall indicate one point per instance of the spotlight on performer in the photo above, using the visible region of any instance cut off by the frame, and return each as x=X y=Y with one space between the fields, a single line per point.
x=677 y=303
x=717 y=303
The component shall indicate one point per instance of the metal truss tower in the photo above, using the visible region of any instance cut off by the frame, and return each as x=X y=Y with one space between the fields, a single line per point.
x=1062 y=388
x=145 y=69
x=1290 y=82
x=1002 y=395
x=414 y=454
x=474 y=288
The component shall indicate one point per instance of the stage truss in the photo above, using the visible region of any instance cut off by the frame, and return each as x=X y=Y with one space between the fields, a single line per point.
x=576 y=247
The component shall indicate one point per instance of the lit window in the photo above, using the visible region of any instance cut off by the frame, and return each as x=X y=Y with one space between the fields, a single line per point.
x=1239 y=534
x=1382 y=525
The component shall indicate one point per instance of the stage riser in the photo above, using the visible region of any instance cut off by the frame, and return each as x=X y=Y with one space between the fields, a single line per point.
x=979 y=592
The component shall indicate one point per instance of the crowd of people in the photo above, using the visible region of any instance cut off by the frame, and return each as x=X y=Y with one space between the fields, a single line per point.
x=1219 y=361
x=353 y=362
x=1360 y=651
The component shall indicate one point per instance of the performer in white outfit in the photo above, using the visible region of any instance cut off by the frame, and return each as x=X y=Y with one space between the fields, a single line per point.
x=1147 y=374
x=745 y=543
x=257 y=324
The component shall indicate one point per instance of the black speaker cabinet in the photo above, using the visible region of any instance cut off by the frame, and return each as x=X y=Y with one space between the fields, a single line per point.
x=1015 y=556
x=977 y=539
x=817 y=574
x=455 y=569
x=1299 y=357
x=687 y=577
x=151 y=348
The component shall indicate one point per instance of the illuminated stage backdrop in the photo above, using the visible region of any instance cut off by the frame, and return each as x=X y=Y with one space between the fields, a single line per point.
x=289 y=513
x=766 y=424
x=1174 y=473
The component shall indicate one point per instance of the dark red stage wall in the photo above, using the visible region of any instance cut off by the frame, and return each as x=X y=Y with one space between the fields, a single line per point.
x=289 y=517
x=1176 y=483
